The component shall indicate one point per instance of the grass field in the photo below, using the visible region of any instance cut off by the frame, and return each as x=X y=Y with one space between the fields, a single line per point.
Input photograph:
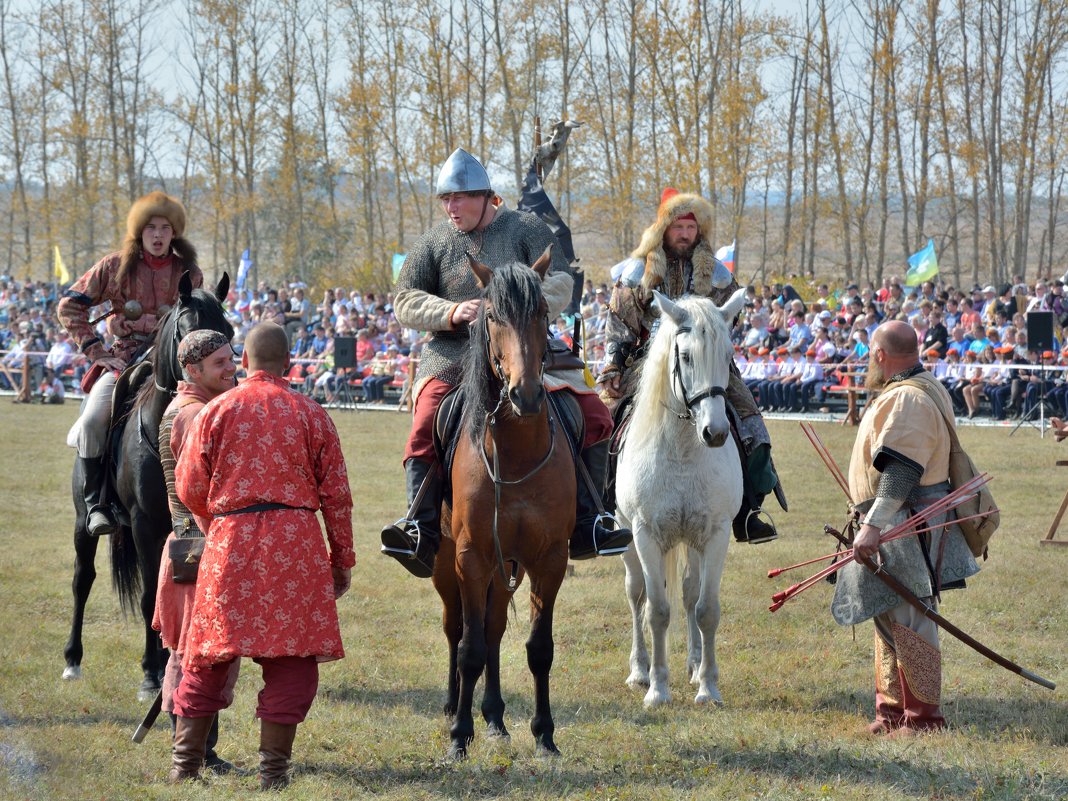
x=797 y=688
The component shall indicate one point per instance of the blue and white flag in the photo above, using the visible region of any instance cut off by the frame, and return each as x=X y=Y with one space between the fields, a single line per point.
x=923 y=265
x=243 y=268
x=396 y=263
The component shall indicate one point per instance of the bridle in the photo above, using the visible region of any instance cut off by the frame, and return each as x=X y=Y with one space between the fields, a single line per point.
x=714 y=391
x=176 y=338
x=494 y=470
x=495 y=363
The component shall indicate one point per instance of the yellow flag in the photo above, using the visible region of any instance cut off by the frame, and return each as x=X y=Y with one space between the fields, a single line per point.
x=60 y=268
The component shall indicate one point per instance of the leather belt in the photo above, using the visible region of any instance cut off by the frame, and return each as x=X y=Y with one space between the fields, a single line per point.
x=262 y=507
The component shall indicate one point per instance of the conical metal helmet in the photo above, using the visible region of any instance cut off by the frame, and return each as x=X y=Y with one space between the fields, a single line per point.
x=462 y=172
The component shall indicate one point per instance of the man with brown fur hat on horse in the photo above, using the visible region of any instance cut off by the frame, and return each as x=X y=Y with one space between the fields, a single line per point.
x=675 y=257
x=140 y=281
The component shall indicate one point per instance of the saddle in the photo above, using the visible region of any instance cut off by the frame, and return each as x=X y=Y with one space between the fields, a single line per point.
x=448 y=421
x=123 y=396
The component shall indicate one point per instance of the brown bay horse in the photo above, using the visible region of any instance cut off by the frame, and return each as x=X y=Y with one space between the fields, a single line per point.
x=513 y=504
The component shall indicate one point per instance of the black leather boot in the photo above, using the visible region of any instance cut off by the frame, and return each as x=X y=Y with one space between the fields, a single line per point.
x=212 y=761
x=596 y=532
x=413 y=540
x=99 y=521
x=748 y=527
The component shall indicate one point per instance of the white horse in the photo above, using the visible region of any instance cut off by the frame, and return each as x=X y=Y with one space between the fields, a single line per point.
x=678 y=486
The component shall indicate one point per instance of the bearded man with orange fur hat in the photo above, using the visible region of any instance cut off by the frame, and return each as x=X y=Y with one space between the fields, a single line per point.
x=675 y=257
x=141 y=283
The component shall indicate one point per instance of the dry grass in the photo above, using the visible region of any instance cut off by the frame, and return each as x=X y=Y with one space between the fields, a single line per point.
x=797 y=687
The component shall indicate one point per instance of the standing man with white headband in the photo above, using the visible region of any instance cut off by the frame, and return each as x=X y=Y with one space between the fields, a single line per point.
x=208 y=369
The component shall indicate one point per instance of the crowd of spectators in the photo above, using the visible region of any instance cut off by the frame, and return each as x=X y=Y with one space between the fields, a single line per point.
x=795 y=343
x=792 y=351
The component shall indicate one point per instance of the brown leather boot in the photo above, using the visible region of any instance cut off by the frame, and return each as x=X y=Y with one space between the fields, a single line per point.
x=919 y=666
x=276 y=748
x=190 y=742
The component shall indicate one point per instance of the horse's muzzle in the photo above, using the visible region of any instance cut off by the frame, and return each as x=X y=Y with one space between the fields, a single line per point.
x=527 y=398
x=714 y=436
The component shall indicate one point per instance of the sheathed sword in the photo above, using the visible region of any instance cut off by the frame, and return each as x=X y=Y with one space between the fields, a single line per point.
x=905 y=593
x=150 y=719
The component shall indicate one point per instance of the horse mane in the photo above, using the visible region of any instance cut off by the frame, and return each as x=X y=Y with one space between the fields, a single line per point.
x=163 y=356
x=514 y=294
x=654 y=399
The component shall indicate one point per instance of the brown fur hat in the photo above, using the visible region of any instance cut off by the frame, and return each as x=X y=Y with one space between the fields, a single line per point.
x=651 y=248
x=155 y=204
x=144 y=209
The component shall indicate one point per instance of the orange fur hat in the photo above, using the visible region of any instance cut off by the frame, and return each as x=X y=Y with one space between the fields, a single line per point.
x=673 y=206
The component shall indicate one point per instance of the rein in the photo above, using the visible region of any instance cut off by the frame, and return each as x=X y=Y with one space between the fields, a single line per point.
x=494 y=470
x=714 y=391
x=176 y=338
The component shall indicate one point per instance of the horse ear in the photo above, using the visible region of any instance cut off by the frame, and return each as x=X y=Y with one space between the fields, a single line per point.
x=483 y=274
x=222 y=289
x=670 y=308
x=541 y=266
x=730 y=309
x=185 y=285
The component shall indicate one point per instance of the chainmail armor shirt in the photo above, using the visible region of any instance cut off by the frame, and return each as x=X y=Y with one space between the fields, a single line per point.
x=437 y=276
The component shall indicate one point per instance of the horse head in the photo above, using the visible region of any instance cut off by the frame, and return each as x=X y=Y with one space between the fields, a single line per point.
x=700 y=355
x=195 y=309
x=512 y=329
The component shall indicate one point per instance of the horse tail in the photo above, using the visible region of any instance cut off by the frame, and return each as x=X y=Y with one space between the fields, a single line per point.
x=125 y=570
x=676 y=561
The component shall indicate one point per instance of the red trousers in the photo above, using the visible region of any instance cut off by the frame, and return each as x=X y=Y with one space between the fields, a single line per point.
x=421 y=440
x=289 y=686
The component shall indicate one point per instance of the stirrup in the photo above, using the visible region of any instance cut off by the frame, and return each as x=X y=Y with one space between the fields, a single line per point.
x=108 y=527
x=608 y=549
x=403 y=526
x=756 y=541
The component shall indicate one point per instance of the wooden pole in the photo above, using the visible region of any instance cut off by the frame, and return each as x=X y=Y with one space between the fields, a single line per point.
x=537 y=142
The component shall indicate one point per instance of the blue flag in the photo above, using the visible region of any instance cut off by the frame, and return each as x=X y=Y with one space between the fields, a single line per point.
x=243 y=268
x=923 y=266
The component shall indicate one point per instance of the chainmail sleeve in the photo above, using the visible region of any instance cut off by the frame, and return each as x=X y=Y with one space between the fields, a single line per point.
x=416 y=303
x=899 y=478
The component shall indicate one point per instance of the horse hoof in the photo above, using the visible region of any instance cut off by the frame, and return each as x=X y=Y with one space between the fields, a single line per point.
x=708 y=698
x=145 y=694
x=547 y=751
x=498 y=734
x=653 y=699
x=638 y=681
x=72 y=673
x=457 y=753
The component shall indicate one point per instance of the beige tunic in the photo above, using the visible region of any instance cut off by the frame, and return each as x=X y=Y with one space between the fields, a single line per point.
x=903 y=422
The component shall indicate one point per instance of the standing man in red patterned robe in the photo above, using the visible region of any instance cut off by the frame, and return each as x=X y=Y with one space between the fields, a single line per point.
x=208 y=369
x=260 y=461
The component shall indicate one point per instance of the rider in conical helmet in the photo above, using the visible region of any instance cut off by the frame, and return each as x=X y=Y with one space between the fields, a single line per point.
x=437 y=292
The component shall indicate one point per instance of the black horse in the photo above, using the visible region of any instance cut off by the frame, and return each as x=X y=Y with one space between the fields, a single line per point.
x=145 y=522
